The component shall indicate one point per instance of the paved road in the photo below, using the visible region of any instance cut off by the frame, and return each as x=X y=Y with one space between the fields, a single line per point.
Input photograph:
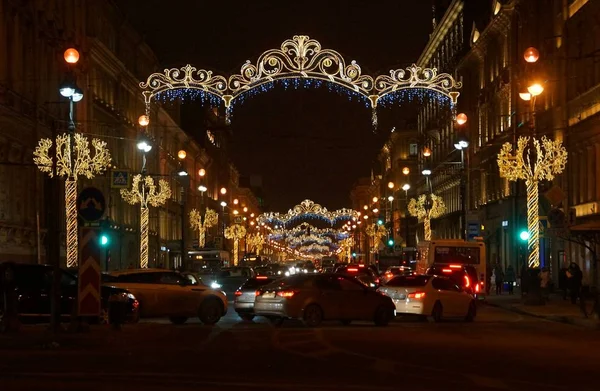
x=500 y=351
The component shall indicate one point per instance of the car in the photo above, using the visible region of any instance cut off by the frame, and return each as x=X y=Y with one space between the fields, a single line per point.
x=464 y=276
x=245 y=295
x=314 y=298
x=432 y=296
x=362 y=273
x=395 y=271
x=33 y=284
x=167 y=293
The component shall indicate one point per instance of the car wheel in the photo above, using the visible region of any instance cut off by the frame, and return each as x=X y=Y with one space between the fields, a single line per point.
x=313 y=315
x=210 y=312
x=178 y=319
x=247 y=317
x=471 y=312
x=383 y=316
x=437 y=312
x=346 y=322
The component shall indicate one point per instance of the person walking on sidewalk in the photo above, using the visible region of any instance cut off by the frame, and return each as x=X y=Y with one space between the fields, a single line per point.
x=510 y=278
x=499 y=278
x=545 y=283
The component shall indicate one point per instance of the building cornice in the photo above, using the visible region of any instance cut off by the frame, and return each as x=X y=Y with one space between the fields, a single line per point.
x=440 y=32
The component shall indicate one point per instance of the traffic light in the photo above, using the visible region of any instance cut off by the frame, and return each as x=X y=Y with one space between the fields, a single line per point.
x=524 y=235
x=390 y=242
x=353 y=255
x=380 y=222
x=104 y=239
x=104 y=236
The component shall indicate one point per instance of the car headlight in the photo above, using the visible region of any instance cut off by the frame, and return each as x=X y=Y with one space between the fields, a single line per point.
x=130 y=296
x=215 y=285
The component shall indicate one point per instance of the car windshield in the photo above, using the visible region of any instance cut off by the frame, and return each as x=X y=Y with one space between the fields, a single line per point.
x=408 y=281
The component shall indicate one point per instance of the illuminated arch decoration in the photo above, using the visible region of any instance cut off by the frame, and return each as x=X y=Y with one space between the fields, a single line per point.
x=300 y=62
x=308 y=209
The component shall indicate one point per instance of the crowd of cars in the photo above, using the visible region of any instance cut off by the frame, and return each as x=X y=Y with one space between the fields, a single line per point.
x=298 y=290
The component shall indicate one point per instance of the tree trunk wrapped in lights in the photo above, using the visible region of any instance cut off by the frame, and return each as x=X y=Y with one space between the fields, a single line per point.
x=256 y=241
x=346 y=246
x=144 y=191
x=72 y=164
x=210 y=220
x=235 y=232
x=376 y=232
x=533 y=163
x=419 y=209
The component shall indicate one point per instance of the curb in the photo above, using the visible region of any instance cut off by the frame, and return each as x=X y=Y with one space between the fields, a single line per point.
x=581 y=322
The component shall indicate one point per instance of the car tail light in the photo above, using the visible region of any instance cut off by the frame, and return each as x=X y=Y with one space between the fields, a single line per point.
x=476 y=287
x=416 y=295
x=455 y=266
x=467 y=282
x=261 y=277
x=286 y=294
x=361 y=265
x=352 y=269
x=257 y=293
x=447 y=270
x=135 y=304
x=238 y=293
x=377 y=281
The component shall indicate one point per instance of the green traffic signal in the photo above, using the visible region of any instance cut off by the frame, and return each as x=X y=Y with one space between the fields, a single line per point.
x=354 y=255
x=391 y=242
x=379 y=222
x=524 y=235
x=103 y=239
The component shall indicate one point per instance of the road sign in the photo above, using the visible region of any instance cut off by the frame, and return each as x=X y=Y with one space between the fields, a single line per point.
x=88 y=290
x=91 y=204
x=119 y=179
x=238 y=220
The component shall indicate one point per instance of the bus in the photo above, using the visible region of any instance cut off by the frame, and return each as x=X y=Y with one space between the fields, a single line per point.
x=208 y=260
x=452 y=256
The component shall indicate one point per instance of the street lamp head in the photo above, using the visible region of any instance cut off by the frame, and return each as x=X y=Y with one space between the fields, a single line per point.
x=461 y=142
x=375 y=210
x=181 y=154
x=223 y=204
x=405 y=187
x=223 y=191
x=67 y=89
x=144 y=144
x=406 y=170
x=525 y=96
x=365 y=207
x=236 y=212
x=236 y=201
x=375 y=199
x=202 y=188
x=531 y=55
x=245 y=209
x=202 y=172
x=390 y=198
x=390 y=185
x=71 y=56
x=77 y=95
x=535 y=89
x=182 y=172
x=461 y=119
x=426 y=152
x=426 y=172
x=143 y=120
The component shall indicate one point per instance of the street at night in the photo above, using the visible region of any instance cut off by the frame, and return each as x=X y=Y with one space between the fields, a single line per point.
x=500 y=350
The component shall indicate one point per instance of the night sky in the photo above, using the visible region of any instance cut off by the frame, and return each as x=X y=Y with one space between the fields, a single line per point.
x=306 y=143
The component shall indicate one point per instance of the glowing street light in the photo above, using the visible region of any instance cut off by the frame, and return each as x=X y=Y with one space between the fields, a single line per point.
x=143 y=120
x=535 y=89
x=531 y=55
x=71 y=56
x=461 y=119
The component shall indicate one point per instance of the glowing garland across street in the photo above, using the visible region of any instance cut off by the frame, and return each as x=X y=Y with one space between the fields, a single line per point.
x=300 y=58
x=308 y=209
x=196 y=222
x=82 y=165
x=419 y=209
x=144 y=192
x=550 y=158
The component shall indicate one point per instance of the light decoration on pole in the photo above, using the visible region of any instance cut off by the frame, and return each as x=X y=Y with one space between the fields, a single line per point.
x=420 y=209
x=144 y=192
x=541 y=160
x=301 y=62
x=256 y=241
x=376 y=232
x=211 y=218
x=346 y=246
x=235 y=232
x=72 y=164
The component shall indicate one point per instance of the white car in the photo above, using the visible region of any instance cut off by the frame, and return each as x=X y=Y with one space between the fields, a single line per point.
x=170 y=294
x=427 y=295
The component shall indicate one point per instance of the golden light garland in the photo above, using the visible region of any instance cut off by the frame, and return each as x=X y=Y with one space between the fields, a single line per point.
x=308 y=209
x=196 y=222
x=256 y=241
x=346 y=245
x=300 y=58
x=418 y=209
x=376 y=232
x=235 y=232
x=550 y=160
x=72 y=164
x=144 y=191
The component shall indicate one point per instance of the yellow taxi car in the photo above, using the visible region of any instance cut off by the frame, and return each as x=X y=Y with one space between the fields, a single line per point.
x=167 y=293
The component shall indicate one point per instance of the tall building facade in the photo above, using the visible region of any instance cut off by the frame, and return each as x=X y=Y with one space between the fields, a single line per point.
x=114 y=59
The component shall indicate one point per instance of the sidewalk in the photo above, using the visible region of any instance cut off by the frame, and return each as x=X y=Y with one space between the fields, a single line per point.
x=556 y=309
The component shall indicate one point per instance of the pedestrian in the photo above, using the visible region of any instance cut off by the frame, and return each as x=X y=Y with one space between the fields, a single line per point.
x=499 y=274
x=510 y=279
x=575 y=277
x=545 y=282
x=493 y=280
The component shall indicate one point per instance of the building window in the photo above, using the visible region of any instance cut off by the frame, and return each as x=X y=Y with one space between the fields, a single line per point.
x=413 y=149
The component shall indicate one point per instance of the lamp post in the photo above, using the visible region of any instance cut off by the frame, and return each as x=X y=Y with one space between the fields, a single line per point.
x=461 y=144
x=202 y=224
x=183 y=180
x=406 y=188
x=425 y=208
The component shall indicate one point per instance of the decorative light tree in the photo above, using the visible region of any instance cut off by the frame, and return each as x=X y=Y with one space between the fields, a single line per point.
x=376 y=232
x=210 y=220
x=423 y=210
x=346 y=246
x=235 y=232
x=532 y=163
x=144 y=191
x=256 y=241
x=73 y=159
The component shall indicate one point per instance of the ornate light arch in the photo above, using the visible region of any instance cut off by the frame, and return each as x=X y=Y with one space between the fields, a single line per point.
x=299 y=58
